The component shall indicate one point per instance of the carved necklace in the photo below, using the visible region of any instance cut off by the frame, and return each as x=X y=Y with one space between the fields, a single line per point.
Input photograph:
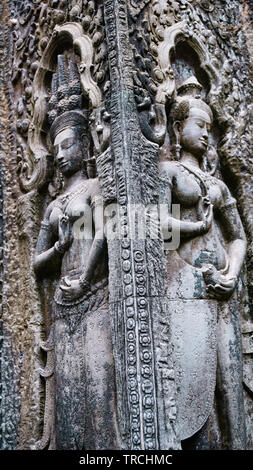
x=63 y=201
x=204 y=183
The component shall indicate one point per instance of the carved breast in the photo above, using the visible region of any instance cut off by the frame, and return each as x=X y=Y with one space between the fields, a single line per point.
x=186 y=190
x=75 y=205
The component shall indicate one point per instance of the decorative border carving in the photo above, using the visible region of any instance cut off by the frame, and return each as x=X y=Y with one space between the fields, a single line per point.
x=134 y=156
x=164 y=73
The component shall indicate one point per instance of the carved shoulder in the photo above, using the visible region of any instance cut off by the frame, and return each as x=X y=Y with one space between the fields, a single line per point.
x=168 y=170
x=46 y=224
x=49 y=210
x=167 y=173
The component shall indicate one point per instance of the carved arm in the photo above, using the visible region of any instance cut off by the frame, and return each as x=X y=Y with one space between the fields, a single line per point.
x=97 y=247
x=74 y=289
x=221 y=284
x=186 y=228
x=49 y=250
x=234 y=232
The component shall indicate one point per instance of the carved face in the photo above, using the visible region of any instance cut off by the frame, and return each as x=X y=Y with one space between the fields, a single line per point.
x=68 y=152
x=195 y=132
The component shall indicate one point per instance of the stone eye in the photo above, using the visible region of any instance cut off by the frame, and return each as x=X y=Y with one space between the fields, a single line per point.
x=66 y=144
x=200 y=124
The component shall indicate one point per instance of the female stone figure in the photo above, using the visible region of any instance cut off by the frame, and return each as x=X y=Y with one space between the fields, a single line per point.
x=203 y=273
x=72 y=237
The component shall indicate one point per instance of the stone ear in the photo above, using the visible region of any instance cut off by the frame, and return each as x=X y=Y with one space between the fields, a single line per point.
x=177 y=130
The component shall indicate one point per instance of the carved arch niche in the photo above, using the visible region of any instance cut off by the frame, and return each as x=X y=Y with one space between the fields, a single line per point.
x=181 y=53
x=68 y=40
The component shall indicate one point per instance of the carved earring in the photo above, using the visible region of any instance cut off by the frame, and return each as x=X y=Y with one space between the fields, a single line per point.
x=91 y=168
x=58 y=181
x=177 y=145
x=55 y=187
x=178 y=151
x=59 y=178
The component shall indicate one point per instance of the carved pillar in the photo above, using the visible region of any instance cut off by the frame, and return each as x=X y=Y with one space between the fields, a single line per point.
x=144 y=369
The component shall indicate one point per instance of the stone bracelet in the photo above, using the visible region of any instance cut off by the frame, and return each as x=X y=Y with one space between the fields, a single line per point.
x=202 y=227
x=59 y=248
x=84 y=283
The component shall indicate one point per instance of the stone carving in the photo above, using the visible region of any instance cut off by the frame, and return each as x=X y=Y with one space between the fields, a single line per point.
x=160 y=36
x=203 y=272
x=132 y=57
x=35 y=169
x=80 y=409
x=145 y=381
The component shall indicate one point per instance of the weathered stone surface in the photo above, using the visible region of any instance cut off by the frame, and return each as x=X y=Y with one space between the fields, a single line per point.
x=132 y=57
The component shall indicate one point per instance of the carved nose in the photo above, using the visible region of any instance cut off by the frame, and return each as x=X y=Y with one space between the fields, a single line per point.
x=59 y=155
x=205 y=133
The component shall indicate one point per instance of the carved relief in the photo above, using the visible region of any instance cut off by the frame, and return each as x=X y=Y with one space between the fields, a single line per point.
x=33 y=29
x=164 y=34
x=134 y=370
x=46 y=18
x=82 y=377
x=134 y=61
x=35 y=172
x=206 y=266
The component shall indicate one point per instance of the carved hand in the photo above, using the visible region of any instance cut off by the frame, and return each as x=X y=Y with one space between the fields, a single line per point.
x=197 y=229
x=219 y=286
x=71 y=290
x=207 y=214
x=64 y=231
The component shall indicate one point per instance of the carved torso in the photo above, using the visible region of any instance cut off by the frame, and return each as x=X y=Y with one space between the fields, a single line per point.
x=77 y=205
x=188 y=190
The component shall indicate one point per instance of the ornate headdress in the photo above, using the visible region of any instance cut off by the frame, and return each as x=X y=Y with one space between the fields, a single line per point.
x=188 y=96
x=64 y=106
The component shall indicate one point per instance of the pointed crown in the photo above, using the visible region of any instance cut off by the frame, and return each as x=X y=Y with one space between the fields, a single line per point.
x=189 y=96
x=65 y=103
